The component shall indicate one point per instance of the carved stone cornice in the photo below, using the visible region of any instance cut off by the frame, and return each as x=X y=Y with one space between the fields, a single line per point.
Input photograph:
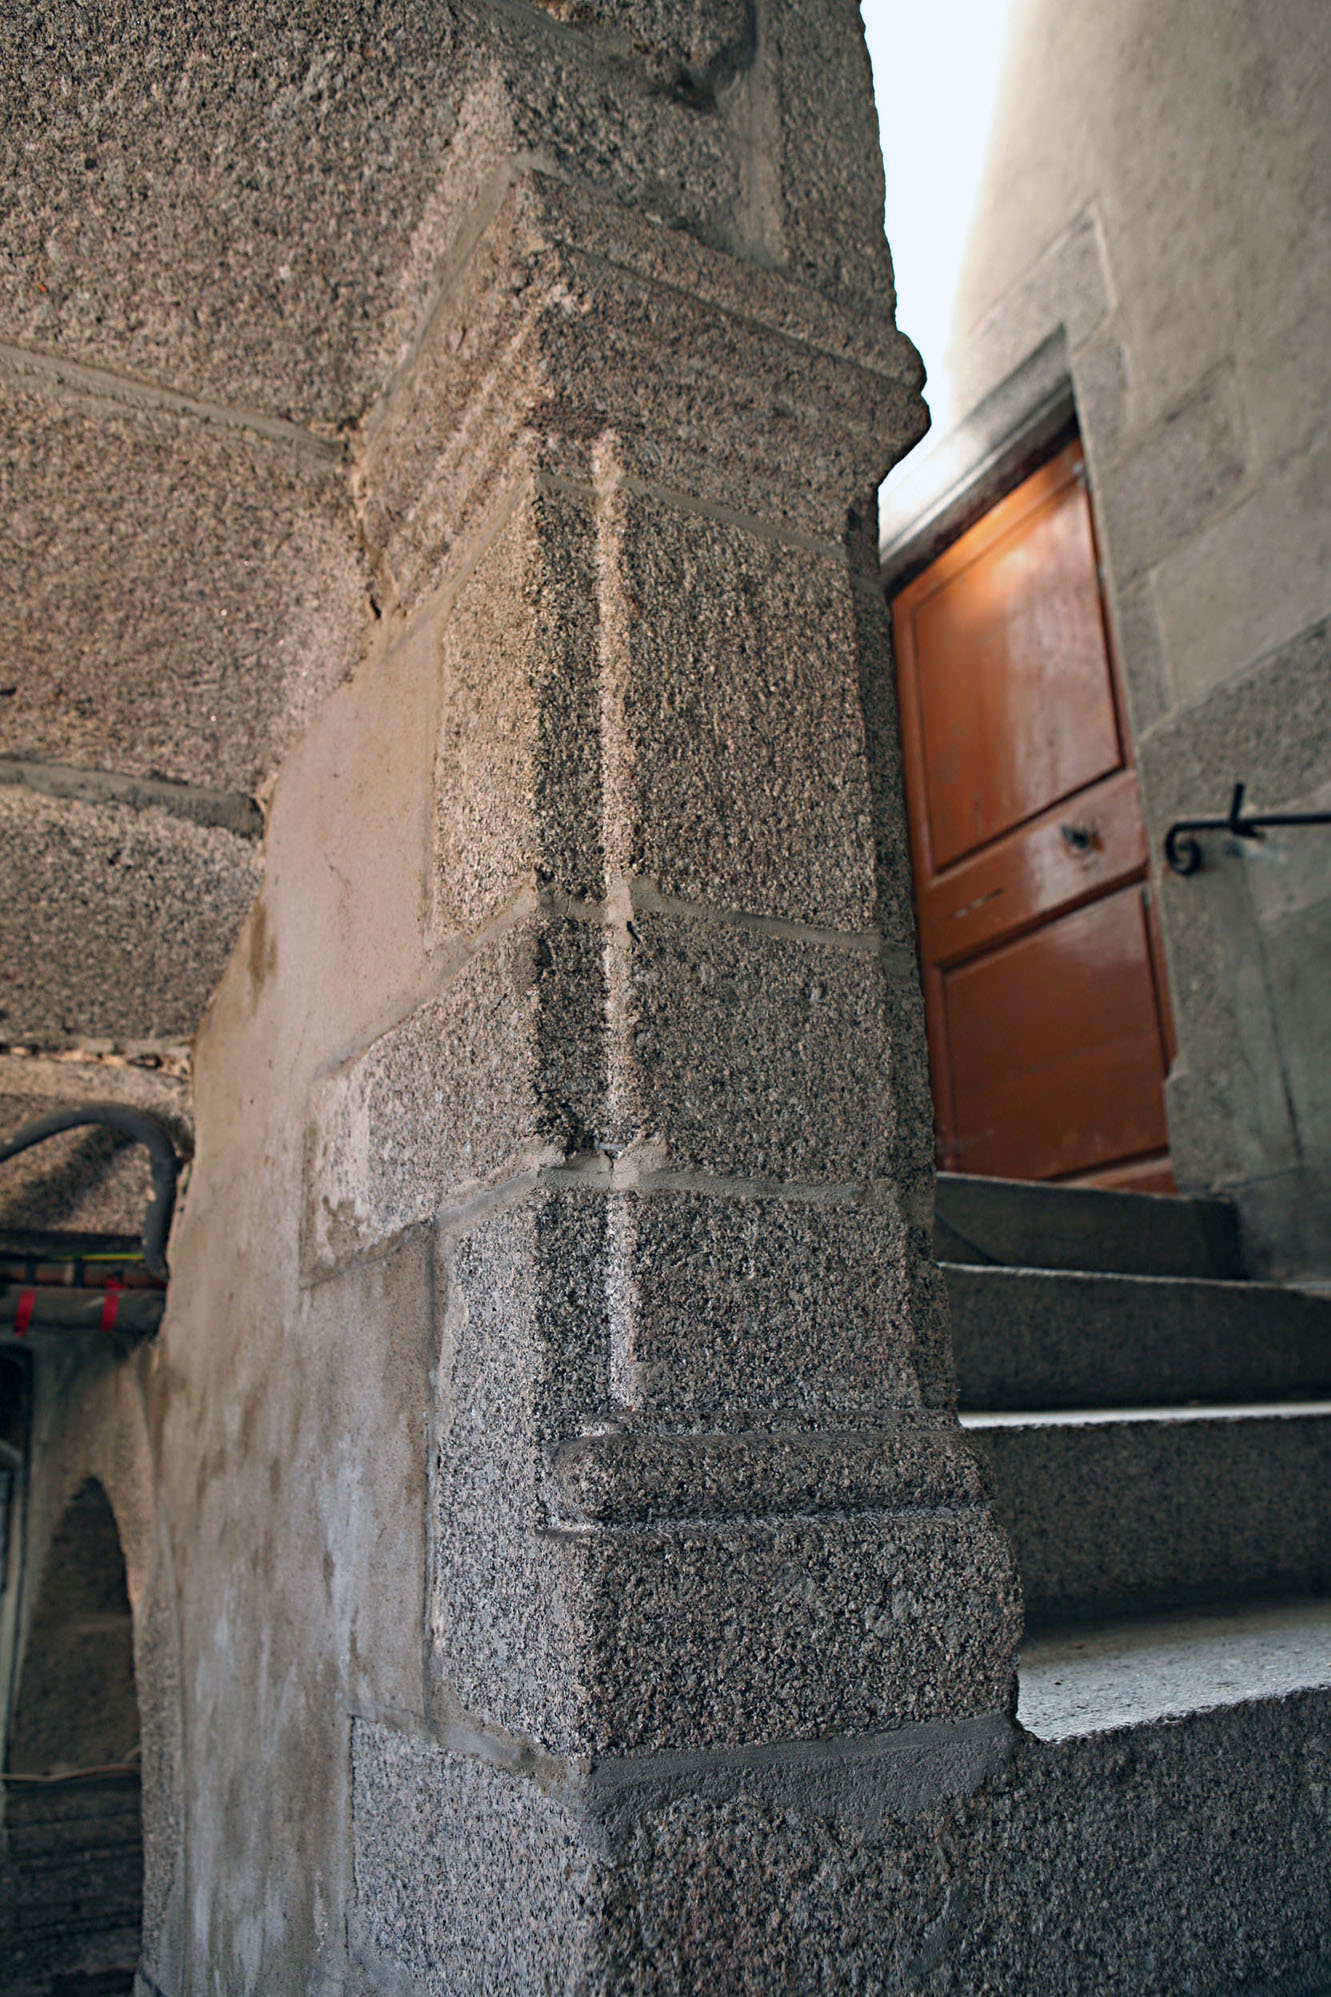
x=567 y=317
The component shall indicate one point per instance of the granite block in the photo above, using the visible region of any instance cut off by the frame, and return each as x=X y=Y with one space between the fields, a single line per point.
x=524 y=1354
x=765 y=1307
x=115 y=924
x=1062 y=1874
x=1044 y=1338
x=501 y=1070
x=736 y=767
x=747 y=1053
x=629 y=1478
x=440 y=1842
x=269 y=232
x=193 y=627
x=517 y=768
x=894 y=914
x=1006 y=1864
x=575 y=326
x=1126 y=1514
x=678 y=1634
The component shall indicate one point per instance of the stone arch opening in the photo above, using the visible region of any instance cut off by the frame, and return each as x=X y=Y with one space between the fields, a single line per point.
x=73 y=1831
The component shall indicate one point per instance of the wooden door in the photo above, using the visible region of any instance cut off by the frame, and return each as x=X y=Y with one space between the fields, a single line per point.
x=1048 y=1021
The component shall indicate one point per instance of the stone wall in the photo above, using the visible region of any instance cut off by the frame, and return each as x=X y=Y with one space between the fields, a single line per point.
x=574 y=1401
x=1154 y=238
x=446 y=447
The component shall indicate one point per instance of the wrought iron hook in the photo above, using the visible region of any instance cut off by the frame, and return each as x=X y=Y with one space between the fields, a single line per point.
x=1183 y=855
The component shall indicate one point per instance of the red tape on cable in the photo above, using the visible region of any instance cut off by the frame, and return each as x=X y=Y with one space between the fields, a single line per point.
x=111 y=1306
x=27 y=1303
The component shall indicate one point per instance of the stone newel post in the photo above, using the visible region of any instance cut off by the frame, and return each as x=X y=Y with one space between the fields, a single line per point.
x=709 y=1572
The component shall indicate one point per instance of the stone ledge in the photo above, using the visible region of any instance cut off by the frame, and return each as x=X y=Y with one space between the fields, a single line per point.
x=637 y=1479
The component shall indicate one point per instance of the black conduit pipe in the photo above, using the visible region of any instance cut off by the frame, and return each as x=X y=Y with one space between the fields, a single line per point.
x=140 y=1128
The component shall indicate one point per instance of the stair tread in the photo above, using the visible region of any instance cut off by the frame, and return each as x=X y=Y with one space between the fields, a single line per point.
x=1243 y=1289
x=1285 y=1410
x=1097 y=1677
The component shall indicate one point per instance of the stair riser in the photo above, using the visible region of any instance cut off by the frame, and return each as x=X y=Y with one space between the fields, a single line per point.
x=1129 y=1516
x=1072 y=1227
x=1038 y=1339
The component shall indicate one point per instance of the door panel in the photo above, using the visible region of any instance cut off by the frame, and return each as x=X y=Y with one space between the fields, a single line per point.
x=1064 y=857
x=1017 y=708
x=1065 y=1015
x=1048 y=1031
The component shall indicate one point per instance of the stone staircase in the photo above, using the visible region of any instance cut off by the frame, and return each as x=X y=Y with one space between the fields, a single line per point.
x=1157 y=1428
x=1158 y=1434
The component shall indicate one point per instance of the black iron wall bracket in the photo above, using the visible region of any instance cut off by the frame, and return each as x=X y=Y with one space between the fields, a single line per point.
x=1184 y=855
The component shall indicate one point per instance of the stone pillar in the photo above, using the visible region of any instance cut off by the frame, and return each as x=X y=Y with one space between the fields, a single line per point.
x=711 y=1582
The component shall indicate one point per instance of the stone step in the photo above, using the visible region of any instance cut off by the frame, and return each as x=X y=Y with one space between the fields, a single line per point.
x=1130 y=1510
x=1137 y=1672
x=1017 y=1224
x=1034 y=1338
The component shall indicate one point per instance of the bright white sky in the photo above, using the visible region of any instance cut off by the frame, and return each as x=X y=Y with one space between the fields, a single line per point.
x=936 y=70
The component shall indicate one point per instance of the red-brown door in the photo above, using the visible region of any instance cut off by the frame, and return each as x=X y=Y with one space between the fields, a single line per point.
x=1048 y=1021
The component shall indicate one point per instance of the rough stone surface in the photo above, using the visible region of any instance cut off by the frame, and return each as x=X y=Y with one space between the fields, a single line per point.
x=517 y=773
x=679 y=1635
x=458 y=250
x=1126 y=1512
x=1140 y=654
x=161 y=158
x=753 y=396
x=1226 y=1094
x=502 y=1070
x=1061 y=1876
x=599 y=1586
x=1025 y=1225
x=735 y=1307
x=443 y=1841
x=636 y=1479
x=84 y=1180
x=115 y=923
x=735 y=744
x=1095 y=1677
x=895 y=892
x=749 y=1053
x=1058 y=1873
x=1031 y=1338
x=190 y=629
x=525 y=1348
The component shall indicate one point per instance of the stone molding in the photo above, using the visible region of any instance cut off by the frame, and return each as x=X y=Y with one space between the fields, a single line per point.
x=567 y=318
